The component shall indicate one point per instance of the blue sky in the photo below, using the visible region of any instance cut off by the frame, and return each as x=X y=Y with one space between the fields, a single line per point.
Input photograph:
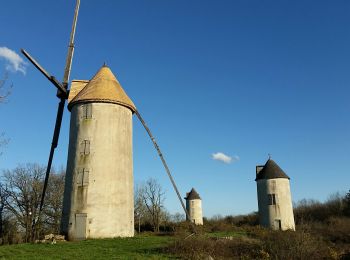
x=244 y=78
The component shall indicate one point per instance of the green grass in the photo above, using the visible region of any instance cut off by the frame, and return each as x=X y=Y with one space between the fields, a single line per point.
x=139 y=247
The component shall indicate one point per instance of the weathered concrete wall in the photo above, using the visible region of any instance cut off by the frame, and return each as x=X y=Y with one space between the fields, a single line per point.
x=194 y=208
x=269 y=215
x=100 y=183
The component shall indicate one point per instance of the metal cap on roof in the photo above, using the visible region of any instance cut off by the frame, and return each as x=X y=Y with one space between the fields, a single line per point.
x=192 y=195
x=271 y=171
x=103 y=87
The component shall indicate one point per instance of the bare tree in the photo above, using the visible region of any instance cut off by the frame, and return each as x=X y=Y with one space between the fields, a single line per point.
x=24 y=190
x=178 y=217
x=335 y=204
x=3 y=200
x=153 y=196
x=54 y=202
x=165 y=218
x=140 y=210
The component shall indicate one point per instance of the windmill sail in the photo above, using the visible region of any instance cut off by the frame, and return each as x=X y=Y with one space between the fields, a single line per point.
x=70 y=53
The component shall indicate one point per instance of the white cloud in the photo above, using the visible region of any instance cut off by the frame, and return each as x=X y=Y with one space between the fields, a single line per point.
x=15 y=62
x=224 y=158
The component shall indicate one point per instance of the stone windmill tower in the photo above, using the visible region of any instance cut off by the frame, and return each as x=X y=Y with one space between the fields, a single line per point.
x=98 y=198
x=274 y=197
x=194 y=207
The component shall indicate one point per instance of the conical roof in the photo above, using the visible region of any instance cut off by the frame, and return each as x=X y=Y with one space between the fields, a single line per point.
x=103 y=87
x=192 y=195
x=271 y=171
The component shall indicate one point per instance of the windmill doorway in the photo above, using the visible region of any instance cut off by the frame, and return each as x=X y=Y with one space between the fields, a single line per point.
x=80 y=226
x=278 y=224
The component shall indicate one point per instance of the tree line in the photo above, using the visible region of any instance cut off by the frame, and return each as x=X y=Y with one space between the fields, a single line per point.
x=20 y=195
x=306 y=211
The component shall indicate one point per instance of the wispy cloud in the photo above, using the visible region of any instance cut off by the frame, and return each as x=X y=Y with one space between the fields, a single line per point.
x=224 y=158
x=14 y=61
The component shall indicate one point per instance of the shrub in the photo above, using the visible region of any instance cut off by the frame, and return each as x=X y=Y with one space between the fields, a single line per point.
x=327 y=240
x=295 y=245
x=347 y=204
x=251 y=219
x=298 y=244
x=312 y=210
x=202 y=248
x=336 y=229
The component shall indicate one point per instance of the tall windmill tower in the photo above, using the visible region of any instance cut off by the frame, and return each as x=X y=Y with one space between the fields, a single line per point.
x=274 y=197
x=98 y=198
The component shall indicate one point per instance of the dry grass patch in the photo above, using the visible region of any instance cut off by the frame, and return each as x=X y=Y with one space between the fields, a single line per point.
x=217 y=248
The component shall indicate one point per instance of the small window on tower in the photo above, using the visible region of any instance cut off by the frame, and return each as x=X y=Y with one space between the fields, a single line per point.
x=271 y=199
x=85 y=147
x=87 y=111
x=83 y=177
x=79 y=178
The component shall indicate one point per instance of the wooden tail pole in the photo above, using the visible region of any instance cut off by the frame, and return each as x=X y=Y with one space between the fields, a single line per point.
x=166 y=168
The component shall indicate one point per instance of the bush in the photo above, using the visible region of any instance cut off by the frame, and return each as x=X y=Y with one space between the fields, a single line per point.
x=262 y=243
x=11 y=234
x=251 y=219
x=347 y=204
x=336 y=229
x=311 y=210
x=202 y=248
x=294 y=245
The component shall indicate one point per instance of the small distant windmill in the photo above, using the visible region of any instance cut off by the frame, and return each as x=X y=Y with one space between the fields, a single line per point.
x=194 y=207
x=77 y=177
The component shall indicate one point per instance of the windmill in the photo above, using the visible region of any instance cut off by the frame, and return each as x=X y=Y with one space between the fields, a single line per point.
x=86 y=214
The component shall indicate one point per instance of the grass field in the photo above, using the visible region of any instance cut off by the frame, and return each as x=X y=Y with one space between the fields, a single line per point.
x=232 y=243
x=139 y=247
